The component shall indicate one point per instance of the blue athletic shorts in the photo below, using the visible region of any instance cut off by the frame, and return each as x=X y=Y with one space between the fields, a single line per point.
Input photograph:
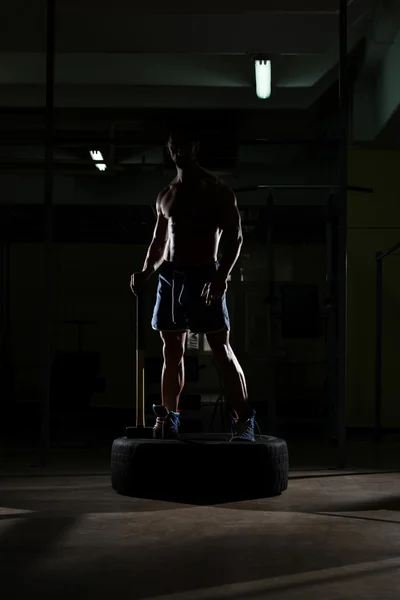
x=179 y=305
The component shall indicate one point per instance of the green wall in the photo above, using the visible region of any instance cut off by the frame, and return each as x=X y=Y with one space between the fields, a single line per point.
x=373 y=224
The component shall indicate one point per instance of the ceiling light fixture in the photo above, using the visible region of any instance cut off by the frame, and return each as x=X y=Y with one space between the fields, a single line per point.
x=101 y=166
x=96 y=155
x=263 y=77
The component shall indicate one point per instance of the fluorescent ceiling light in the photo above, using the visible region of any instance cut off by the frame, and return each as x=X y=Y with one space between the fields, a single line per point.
x=101 y=166
x=96 y=155
x=263 y=78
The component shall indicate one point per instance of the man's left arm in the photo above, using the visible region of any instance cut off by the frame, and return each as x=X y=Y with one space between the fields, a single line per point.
x=232 y=237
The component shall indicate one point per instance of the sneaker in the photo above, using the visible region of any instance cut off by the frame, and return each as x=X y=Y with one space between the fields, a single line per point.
x=167 y=424
x=243 y=431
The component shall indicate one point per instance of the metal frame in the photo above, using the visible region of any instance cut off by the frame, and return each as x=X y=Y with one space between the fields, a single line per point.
x=331 y=330
x=5 y=367
x=271 y=383
x=344 y=104
x=48 y=270
x=331 y=188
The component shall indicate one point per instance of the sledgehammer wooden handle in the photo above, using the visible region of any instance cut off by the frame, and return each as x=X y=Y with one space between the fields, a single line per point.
x=140 y=359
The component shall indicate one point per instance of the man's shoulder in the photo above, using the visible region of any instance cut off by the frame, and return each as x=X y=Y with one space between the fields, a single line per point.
x=211 y=178
x=164 y=192
x=218 y=184
x=225 y=193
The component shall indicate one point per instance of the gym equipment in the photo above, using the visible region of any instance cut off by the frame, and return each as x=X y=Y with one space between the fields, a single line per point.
x=211 y=468
x=202 y=468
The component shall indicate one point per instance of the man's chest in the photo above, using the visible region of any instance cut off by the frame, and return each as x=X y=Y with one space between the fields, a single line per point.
x=191 y=204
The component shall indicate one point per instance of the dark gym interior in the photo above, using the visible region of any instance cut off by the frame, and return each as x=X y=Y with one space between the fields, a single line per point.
x=89 y=91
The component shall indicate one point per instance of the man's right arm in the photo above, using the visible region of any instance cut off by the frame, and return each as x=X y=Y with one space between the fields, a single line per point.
x=155 y=253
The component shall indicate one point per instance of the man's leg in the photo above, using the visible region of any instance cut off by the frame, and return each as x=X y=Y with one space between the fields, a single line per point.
x=173 y=372
x=231 y=371
x=234 y=382
x=172 y=382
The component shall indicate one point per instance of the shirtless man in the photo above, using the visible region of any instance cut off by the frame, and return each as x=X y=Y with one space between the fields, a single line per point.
x=193 y=213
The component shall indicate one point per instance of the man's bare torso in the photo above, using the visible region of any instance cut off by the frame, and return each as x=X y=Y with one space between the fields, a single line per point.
x=193 y=212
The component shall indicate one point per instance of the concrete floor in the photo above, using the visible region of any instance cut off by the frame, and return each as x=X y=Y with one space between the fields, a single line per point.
x=332 y=535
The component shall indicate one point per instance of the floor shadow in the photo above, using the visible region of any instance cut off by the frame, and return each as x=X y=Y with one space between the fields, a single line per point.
x=23 y=543
x=107 y=501
x=12 y=517
x=52 y=475
x=358 y=473
x=199 y=499
x=346 y=575
x=325 y=514
x=384 y=503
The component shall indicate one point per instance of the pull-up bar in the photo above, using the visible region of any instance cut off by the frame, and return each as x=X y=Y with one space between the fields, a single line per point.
x=379 y=257
x=271 y=187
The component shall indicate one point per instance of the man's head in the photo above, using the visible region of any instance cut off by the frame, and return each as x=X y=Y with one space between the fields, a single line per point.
x=183 y=146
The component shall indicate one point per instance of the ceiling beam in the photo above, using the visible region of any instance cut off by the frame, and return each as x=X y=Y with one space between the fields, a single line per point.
x=251 y=32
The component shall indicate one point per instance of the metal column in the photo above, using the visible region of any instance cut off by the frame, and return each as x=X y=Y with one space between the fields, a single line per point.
x=331 y=308
x=344 y=104
x=5 y=359
x=378 y=347
x=47 y=304
x=271 y=336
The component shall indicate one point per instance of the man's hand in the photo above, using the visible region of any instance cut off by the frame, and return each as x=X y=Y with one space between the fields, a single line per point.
x=138 y=280
x=215 y=289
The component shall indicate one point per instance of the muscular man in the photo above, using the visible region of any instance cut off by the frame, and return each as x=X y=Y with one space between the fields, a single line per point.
x=194 y=213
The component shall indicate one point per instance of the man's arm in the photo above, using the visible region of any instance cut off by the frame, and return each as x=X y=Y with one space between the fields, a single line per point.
x=232 y=237
x=155 y=253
